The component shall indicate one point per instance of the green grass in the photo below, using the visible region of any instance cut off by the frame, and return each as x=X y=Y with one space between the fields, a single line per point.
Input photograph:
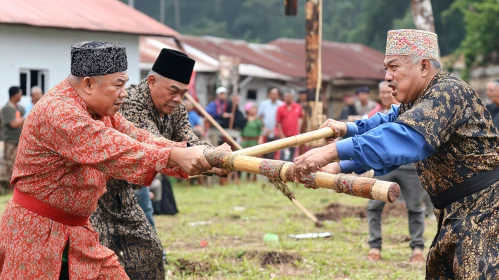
x=235 y=238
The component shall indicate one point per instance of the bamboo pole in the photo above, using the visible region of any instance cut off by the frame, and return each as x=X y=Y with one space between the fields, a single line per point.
x=286 y=142
x=229 y=138
x=284 y=172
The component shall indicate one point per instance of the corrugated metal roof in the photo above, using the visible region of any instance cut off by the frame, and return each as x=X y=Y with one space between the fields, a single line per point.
x=265 y=56
x=339 y=60
x=282 y=59
x=205 y=62
x=287 y=56
x=95 y=15
x=150 y=47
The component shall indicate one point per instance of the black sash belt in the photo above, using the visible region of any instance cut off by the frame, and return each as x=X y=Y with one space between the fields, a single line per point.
x=469 y=186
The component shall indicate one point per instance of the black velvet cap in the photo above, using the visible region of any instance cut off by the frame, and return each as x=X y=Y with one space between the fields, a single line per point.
x=174 y=65
x=95 y=58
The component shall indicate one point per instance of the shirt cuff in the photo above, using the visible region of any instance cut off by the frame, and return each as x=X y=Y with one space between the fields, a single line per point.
x=347 y=166
x=345 y=149
x=351 y=129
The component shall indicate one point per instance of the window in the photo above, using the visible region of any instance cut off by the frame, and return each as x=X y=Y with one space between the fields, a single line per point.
x=251 y=94
x=29 y=78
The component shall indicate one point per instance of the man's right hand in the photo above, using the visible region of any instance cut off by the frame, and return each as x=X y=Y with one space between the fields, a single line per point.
x=339 y=128
x=191 y=160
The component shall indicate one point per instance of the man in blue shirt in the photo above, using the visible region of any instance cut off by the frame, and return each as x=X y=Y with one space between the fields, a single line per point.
x=218 y=107
x=194 y=118
x=442 y=126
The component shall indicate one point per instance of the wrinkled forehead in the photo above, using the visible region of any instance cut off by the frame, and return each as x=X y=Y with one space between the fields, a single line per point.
x=174 y=85
x=399 y=59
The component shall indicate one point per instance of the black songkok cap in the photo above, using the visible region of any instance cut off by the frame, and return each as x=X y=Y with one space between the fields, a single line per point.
x=362 y=89
x=174 y=65
x=96 y=58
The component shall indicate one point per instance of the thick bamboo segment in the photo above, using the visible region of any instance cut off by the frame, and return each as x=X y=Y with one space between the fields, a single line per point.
x=287 y=142
x=359 y=186
x=283 y=171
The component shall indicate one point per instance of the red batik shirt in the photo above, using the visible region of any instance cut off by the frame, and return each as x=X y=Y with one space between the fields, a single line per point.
x=64 y=159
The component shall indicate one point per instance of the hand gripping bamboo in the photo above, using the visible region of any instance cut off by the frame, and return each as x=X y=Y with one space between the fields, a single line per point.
x=284 y=172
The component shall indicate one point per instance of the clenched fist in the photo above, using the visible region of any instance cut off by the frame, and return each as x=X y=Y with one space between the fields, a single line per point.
x=191 y=160
x=339 y=128
x=313 y=160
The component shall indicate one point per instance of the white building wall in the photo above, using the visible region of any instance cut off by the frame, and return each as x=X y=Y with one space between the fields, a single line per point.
x=260 y=85
x=27 y=47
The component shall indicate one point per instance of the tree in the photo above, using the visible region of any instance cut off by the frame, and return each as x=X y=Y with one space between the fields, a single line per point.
x=481 y=43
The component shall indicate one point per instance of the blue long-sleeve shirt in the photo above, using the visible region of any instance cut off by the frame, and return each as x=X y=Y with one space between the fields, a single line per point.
x=380 y=144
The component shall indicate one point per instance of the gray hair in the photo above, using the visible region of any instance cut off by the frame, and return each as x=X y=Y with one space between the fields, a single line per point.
x=155 y=74
x=494 y=82
x=36 y=88
x=290 y=91
x=382 y=83
x=417 y=58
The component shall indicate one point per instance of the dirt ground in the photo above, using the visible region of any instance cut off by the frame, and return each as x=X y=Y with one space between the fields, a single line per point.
x=283 y=261
x=336 y=211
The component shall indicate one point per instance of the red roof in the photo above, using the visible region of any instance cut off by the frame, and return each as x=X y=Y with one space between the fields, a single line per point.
x=266 y=56
x=287 y=56
x=95 y=15
x=339 y=60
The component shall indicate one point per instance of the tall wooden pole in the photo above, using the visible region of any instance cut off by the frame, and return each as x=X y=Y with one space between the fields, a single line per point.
x=422 y=13
x=313 y=63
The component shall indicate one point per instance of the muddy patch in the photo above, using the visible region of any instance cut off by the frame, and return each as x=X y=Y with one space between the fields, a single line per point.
x=336 y=211
x=234 y=217
x=278 y=258
x=192 y=268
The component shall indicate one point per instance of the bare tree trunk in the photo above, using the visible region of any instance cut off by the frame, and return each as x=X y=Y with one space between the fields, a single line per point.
x=131 y=3
x=422 y=14
x=176 y=4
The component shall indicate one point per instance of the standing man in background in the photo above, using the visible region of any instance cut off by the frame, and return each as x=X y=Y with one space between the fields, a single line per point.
x=493 y=95
x=289 y=122
x=267 y=111
x=364 y=104
x=13 y=120
x=36 y=94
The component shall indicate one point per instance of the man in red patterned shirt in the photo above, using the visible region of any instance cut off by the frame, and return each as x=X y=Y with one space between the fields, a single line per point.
x=73 y=142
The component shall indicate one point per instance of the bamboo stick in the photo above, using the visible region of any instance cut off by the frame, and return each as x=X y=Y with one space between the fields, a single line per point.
x=235 y=144
x=284 y=172
x=286 y=142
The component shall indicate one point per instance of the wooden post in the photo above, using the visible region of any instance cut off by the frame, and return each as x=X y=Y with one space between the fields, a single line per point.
x=422 y=14
x=313 y=40
x=290 y=7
